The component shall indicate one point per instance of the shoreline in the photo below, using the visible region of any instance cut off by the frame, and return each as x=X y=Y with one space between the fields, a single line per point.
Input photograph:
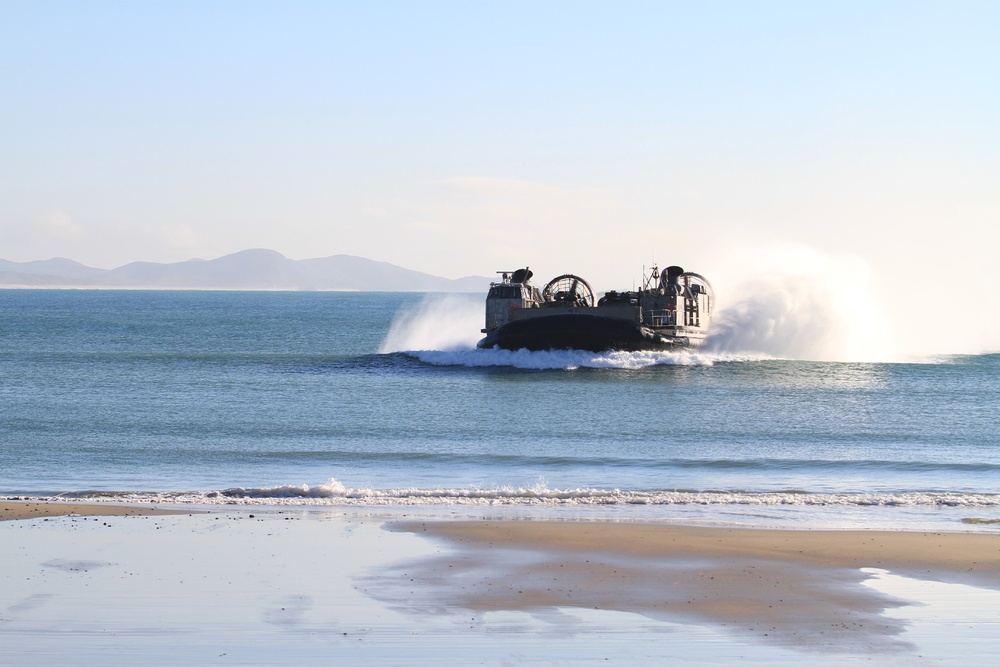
x=962 y=550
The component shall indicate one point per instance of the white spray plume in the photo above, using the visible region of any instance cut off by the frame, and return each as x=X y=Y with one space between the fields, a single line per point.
x=790 y=302
x=437 y=322
x=794 y=302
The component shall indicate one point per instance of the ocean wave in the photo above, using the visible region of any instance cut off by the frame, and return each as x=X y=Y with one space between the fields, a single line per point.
x=333 y=493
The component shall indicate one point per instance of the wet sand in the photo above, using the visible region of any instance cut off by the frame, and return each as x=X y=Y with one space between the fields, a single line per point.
x=968 y=556
x=26 y=509
x=794 y=587
x=259 y=586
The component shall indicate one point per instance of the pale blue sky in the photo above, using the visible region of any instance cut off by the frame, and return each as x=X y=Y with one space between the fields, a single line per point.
x=460 y=138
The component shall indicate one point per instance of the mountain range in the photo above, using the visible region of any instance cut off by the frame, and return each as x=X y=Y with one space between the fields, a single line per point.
x=246 y=270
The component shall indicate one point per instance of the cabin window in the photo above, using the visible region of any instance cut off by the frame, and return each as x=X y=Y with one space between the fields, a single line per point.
x=505 y=292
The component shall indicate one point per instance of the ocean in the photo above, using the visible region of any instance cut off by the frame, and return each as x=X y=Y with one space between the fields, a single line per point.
x=380 y=400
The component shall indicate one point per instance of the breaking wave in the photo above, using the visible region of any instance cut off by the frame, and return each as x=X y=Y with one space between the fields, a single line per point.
x=333 y=493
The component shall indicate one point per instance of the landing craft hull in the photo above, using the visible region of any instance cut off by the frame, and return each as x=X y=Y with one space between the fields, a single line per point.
x=577 y=331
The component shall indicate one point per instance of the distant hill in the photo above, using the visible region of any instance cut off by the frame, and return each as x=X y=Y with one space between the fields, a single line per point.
x=246 y=270
x=56 y=267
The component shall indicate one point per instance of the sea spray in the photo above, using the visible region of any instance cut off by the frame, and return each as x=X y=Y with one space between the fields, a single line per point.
x=800 y=304
x=437 y=322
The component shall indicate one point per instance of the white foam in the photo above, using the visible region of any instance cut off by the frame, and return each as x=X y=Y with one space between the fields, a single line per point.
x=572 y=359
x=334 y=493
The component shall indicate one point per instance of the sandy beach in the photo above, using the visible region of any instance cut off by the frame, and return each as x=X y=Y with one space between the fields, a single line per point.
x=259 y=586
x=799 y=587
x=11 y=510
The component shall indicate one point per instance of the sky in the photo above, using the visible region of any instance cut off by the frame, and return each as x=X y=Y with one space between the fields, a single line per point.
x=851 y=143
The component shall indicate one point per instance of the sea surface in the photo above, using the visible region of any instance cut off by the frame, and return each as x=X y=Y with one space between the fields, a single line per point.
x=381 y=400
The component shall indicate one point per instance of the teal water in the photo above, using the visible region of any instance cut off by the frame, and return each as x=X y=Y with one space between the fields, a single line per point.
x=286 y=397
